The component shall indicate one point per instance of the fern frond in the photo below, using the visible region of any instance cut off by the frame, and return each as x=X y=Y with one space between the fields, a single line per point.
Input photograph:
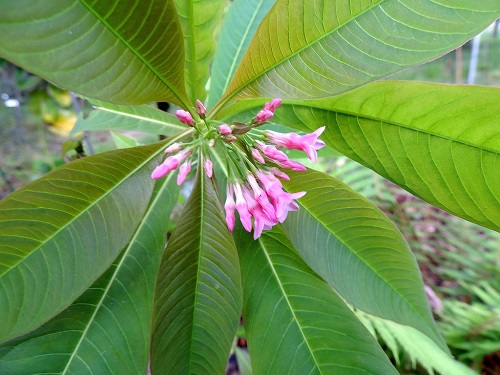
x=419 y=347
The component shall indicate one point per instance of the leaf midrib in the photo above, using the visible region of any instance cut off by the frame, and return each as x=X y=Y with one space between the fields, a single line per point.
x=360 y=259
x=192 y=51
x=137 y=117
x=98 y=306
x=285 y=295
x=388 y=122
x=404 y=126
x=240 y=46
x=136 y=53
x=230 y=95
x=198 y=265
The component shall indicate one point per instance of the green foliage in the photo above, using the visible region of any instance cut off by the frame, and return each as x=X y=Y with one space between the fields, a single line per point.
x=307 y=318
x=43 y=234
x=341 y=235
x=107 y=328
x=473 y=329
x=418 y=346
x=300 y=51
x=199 y=18
x=454 y=255
x=91 y=270
x=150 y=59
x=198 y=296
x=119 y=117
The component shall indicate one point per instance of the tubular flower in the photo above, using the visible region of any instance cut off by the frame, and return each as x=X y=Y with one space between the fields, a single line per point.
x=201 y=109
x=230 y=207
x=185 y=117
x=254 y=187
x=171 y=163
x=183 y=172
x=272 y=105
x=208 y=166
x=224 y=129
x=308 y=143
x=264 y=115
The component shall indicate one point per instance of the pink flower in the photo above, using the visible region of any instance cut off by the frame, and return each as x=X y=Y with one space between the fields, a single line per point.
x=257 y=190
x=224 y=129
x=261 y=219
x=183 y=172
x=280 y=174
x=264 y=115
x=293 y=165
x=273 y=104
x=258 y=156
x=230 y=207
x=272 y=152
x=242 y=208
x=307 y=143
x=184 y=116
x=279 y=157
x=201 y=109
x=288 y=204
x=171 y=163
x=261 y=198
x=282 y=201
x=208 y=166
x=174 y=147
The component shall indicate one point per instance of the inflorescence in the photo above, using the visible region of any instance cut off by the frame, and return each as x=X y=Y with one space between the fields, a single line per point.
x=252 y=156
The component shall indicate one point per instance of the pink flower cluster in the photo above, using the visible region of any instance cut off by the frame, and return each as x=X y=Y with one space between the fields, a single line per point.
x=262 y=198
x=259 y=198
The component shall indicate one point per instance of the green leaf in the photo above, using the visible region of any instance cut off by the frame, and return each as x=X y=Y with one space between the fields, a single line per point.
x=107 y=329
x=439 y=142
x=198 y=295
x=320 y=48
x=238 y=29
x=60 y=233
x=142 y=118
x=120 y=51
x=353 y=246
x=295 y=323
x=199 y=18
x=123 y=140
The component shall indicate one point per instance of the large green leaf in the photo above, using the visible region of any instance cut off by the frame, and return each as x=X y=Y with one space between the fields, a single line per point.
x=198 y=295
x=107 y=329
x=120 y=51
x=238 y=29
x=60 y=233
x=439 y=142
x=295 y=323
x=199 y=18
x=358 y=251
x=137 y=118
x=319 y=48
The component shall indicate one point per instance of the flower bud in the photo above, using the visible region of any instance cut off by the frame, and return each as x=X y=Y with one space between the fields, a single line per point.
x=273 y=104
x=264 y=115
x=225 y=129
x=184 y=116
x=208 y=166
x=201 y=109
